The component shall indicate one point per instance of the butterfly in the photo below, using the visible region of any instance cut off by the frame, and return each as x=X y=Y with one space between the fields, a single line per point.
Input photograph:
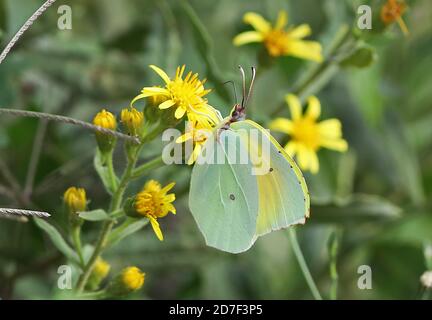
x=244 y=185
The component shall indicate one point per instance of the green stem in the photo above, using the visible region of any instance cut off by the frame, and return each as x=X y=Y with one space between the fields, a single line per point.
x=111 y=172
x=101 y=294
x=116 y=202
x=108 y=225
x=333 y=248
x=302 y=263
x=343 y=35
x=146 y=167
x=100 y=245
x=76 y=238
x=118 y=195
x=426 y=294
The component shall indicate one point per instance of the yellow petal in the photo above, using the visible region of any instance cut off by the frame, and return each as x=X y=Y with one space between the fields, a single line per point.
x=247 y=37
x=161 y=73
x=402 y=25
x=166 y=104
x=156 y=228
x=282 y=20
x=171 y=208
x=310 y=50
x=257 y=22
x=294 y=106
x=335 y=144
x=154 y=91
x=185 y=137
x=291 y=148
x=330 y=128
x=281 y=125
x=303 y=157
x=313 y=162
x=301 y=31
x=179 y=112
x=168 y=187
x=196 y=152
x=170 y=197
x=138 y=97
x=314 y=108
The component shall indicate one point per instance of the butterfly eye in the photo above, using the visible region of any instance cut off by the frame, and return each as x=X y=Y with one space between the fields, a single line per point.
x=232 y=197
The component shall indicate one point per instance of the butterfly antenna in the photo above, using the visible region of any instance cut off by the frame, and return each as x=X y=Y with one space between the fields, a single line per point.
x=250 y=86
x=235 y=89
x=243 y=86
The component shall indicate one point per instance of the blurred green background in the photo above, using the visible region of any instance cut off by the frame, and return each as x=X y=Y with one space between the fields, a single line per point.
x=376 y=197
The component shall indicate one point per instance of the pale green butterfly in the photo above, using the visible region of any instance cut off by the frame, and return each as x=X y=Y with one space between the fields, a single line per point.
x=231 y=203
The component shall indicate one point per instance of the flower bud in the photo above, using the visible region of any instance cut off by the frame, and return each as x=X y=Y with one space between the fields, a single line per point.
x=107 y=120
x=129 y=280
x=133 y=121
x=99 y=273
x=75 y=199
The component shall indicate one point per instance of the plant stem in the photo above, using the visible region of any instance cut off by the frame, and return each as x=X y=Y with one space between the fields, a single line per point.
x=76 y=238
x=111 y=173
x=343 y=35
x=146 y=167
x=101 y=294
x=333 y=248
x=302 y=263
x=108 y=225
x=106 y=229
x=118 y=195
x=116 y=202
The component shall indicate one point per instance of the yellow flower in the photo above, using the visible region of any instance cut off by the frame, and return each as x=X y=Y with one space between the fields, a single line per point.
x=153 y=202
x=198 y=134
x=185 y=95
x=307 y=134
x=278 y=40
x=132 y=278
x=105 y=119
x=101 y=269
x=392 y=11
x=133 y=120
x=98 y=274
x=75 y=199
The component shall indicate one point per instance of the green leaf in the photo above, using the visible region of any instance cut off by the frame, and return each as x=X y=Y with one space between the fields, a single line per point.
x=94 y=215
x=127 y=228
x=103 y=172
x=361 y=208
x=413 y=230
x=57 y=239
x=361 y=57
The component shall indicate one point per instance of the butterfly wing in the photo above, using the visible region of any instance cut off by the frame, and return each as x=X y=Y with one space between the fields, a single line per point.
x=283 y=195
x=223 y=198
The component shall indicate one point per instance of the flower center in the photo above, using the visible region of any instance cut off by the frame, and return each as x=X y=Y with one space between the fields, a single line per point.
x=186 y=93
x=306 y=132
x=151 y=204
x=276 y=42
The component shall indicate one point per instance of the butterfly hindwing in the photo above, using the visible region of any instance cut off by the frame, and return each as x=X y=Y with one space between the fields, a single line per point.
x=283 y=195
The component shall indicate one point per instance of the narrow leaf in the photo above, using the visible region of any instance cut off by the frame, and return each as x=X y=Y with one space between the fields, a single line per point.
x=127 y=228
x=57 y=239
x=94 y=215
